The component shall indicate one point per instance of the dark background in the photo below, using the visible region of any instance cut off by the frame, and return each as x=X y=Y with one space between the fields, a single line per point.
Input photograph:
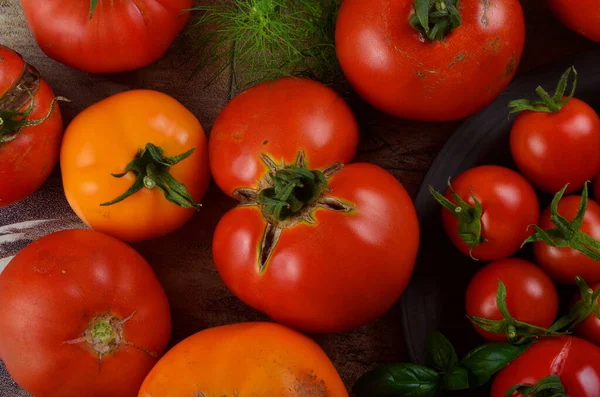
x=182 y=260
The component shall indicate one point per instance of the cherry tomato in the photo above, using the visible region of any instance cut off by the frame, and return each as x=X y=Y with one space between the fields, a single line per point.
x=31 y=128
x=530 y=295
x=140 y=140
x=557 y=146
x=596 y=188
x=563 y=264
x=589 y=329
x=277 y=119
x=575 y=361
x=249 y=359
x=82 y=314
x=508 y=206
x=338 y=260
x=399 y=70
x=582 y=16
x=115 y=36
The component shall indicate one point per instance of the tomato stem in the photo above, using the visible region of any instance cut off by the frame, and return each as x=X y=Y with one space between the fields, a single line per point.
x=151 y=168
x=435 y=19
x=550 y=386
x=13 y=121
x=93 y=4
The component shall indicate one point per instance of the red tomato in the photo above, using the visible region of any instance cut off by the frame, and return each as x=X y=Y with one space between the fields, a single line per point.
x=278 y=118
x=339 y=262
x=582 y=16
x=589 y=329
x=530 y=295
x=29 y=151
x=564 y=264
x=574 y=360
x=82 y=314
x=119 y=36
x=396 y=69
x=509 y=206
x=596 y=188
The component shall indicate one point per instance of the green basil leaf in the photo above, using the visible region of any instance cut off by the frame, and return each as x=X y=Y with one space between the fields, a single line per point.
x=440 y=352
x=456 y=379
x=484 y=361
x=399 y=380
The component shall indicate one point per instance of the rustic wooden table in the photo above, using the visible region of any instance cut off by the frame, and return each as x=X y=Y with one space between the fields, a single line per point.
x=182 y=261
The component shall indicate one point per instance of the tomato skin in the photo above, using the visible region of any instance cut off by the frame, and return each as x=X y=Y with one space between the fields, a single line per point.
x=530 y=295
x=29 y=159
x=564 y=264
x=52 y=289
x=589 y=329
x=582 y=16
x=575 y=361
x=393 y=68
x=120 y=36
x=105 y=137
x=278 y=118
x=553 y=149
x=318 y=279
x=596 y=189
x=509 y=204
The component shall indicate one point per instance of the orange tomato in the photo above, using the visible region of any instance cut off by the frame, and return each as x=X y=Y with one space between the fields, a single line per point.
x=101 y=142
x=245 y=360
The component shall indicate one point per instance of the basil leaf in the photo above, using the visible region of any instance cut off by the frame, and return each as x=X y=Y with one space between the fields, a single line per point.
x=440 y=352
x=399 y=380
x=456 y=379
x=484 y=361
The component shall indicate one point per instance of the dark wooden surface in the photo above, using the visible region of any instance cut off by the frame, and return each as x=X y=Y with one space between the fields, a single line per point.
x=183 y=261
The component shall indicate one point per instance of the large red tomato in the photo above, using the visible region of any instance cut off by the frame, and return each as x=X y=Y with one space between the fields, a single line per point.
x=556 y=145
x=30 y=128
x=399 y=69
x=320 y=258
x=276 y=119
x=497 y=226
x=82 y=314
x=575 y=361
x=582 y=16
x=530 y=298
x=118 y=36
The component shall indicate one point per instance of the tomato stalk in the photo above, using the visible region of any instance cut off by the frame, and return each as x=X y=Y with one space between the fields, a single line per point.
x=567 y=234
x=435 y=19
x=151 y=169
x=13 y=121
x=550 y=386
x=547 y=103
x=469 y=226
x=582 y=309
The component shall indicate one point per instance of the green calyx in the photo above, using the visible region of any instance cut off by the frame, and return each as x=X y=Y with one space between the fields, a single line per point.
x=93 y=4
x=547 y=387
x=469 y=217
x=435 y=19
x=151 y=168
x=516 y=331
x=103 y=332
x=582 y=309
x=568 y=234
x=13 y=121
x=293 y=189
x=547 y=103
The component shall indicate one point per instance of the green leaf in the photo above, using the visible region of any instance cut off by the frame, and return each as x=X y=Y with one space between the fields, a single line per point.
x=456 y=379
x=400 y=380
x=422 y=12
x=485 y=361
x=440 y=352
x=93 y=4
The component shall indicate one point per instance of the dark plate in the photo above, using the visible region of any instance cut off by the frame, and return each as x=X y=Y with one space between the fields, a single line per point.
x=435 y=298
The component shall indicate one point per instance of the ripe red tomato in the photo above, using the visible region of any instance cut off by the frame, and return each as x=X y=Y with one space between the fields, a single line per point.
x=30 y=128
x=530 y=295
x=338 y=260
x=589 y=329
x=563 y=264
x=119 y=35
x=575 y=361
x=582 y=16
x=278 y=118
x=557 y=146
x=82 y=314
x=509 y=206
x=400 y=71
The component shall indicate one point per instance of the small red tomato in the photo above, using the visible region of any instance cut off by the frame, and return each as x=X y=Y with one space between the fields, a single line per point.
x=586 y=305
x=530 y=297
x=596 y=188
x=574 y=361
x=557 y=142
x=574 y=249
x=488 y=211
x=31 y=128
x=582 y=16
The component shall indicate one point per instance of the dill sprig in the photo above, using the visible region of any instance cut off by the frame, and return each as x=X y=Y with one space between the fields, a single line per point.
x=260 y=40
